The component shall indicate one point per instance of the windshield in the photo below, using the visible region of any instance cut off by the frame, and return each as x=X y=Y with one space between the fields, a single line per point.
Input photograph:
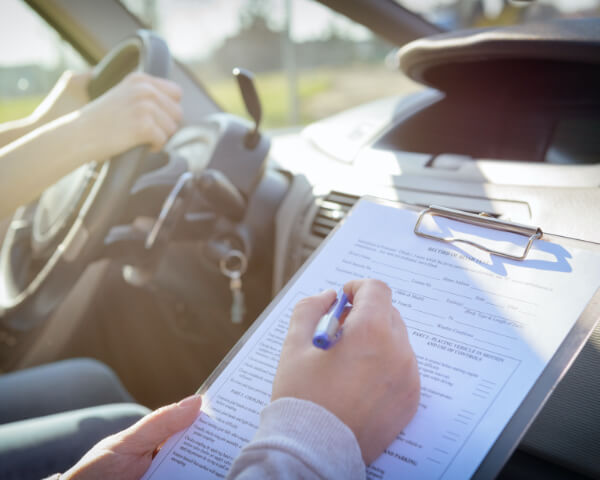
x=457 y=14
x=32 y=58
x=309 y=61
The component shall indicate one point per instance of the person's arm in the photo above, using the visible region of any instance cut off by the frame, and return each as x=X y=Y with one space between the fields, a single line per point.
x=299 y=439
x=139 y=110
x=10 y=131
x=329 y=407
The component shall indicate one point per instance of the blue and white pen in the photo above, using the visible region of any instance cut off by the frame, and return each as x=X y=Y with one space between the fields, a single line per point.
x=328 y=329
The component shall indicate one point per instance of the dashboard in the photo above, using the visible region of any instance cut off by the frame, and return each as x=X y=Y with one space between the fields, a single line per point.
x=352 y=154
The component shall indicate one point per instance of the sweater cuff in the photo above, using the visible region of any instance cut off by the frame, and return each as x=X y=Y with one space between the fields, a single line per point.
x=311 y=433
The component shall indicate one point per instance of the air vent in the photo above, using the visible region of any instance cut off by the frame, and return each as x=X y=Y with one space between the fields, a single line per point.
x=331 y=209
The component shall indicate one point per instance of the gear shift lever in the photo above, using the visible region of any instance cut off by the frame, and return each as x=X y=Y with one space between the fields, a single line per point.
x=245 y=81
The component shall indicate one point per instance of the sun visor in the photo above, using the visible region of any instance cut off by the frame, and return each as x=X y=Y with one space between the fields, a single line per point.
x=552 y=58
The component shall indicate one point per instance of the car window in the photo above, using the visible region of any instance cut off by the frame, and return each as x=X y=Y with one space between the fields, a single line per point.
x=309 y=61
x=32 y=57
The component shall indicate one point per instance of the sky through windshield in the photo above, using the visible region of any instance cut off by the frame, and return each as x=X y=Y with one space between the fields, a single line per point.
x=25 y=41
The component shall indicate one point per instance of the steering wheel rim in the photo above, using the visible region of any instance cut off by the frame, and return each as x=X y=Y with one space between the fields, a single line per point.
x=23 y=307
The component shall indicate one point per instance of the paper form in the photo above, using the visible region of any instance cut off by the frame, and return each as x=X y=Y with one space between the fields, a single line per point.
x=482 y=328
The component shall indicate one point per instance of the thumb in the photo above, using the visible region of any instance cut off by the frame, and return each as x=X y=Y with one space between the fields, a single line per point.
x=307 y=314
x=158 y=426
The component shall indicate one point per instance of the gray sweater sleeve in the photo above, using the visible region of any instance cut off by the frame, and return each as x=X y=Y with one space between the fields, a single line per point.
x=299 y=439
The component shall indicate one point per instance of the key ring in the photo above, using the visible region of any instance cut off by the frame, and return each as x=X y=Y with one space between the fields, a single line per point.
x=228 y=269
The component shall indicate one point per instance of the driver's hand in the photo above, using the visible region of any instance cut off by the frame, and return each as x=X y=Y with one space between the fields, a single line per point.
x=368 y=379
x=127 y=454
x=140 y=110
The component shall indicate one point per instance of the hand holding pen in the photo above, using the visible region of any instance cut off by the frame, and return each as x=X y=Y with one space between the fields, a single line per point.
x=370 y=380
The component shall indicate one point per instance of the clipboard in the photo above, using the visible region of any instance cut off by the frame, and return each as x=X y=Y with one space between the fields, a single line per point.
x=554 y=371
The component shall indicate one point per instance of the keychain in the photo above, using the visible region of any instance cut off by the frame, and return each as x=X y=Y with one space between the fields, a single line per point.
x=233 y=266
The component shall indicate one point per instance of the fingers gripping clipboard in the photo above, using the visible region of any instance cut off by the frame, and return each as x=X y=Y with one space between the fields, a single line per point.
x=491 y=323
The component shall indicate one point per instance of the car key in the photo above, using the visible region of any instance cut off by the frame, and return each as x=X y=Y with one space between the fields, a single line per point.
x=233 y=266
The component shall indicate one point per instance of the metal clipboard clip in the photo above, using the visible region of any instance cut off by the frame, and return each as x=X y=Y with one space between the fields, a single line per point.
x=481 y=220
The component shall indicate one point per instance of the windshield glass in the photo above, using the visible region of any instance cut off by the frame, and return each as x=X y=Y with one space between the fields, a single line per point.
x=457 y=14
x=32 y=58
x=309 y=61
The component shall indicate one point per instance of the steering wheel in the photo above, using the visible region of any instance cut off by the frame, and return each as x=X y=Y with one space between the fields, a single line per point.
x=50 y=242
